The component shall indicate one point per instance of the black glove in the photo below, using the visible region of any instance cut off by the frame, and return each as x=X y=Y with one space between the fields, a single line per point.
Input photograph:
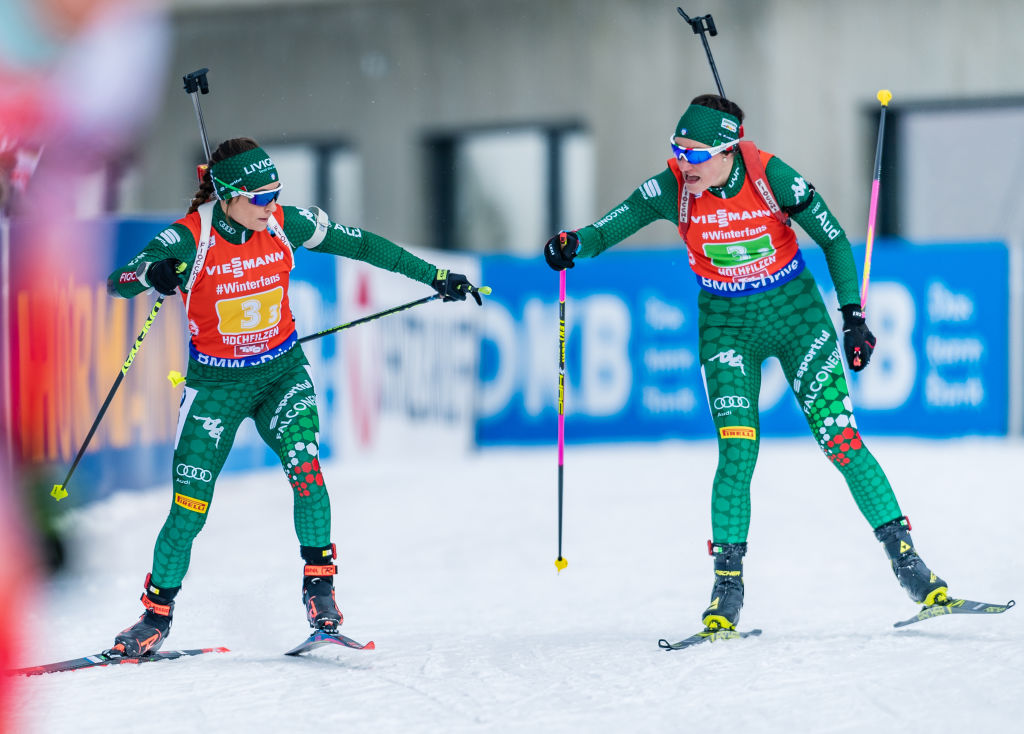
x=454 y=287
x=858 y=341
x=163 y=275
x=561 y=249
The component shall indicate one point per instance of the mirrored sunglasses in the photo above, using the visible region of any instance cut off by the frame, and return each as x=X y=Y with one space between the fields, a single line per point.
x=694 y=156
x=257 y=198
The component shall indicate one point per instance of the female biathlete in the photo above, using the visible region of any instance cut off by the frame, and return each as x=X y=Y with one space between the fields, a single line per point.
x=230 y=258
x=757 y=301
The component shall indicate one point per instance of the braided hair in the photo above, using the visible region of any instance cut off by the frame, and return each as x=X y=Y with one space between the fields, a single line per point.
x=224 y=151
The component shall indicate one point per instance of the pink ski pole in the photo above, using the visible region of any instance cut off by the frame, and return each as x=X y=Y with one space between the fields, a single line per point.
x=560 y=562
x=884 y=96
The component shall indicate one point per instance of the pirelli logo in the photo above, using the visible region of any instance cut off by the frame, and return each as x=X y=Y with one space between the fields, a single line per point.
x=190 y=503
x=748 y=432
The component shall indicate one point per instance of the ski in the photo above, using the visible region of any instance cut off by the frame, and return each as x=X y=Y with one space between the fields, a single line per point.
x=956 y=606
x=707 y=636
x=320 y=637
x=104 y=658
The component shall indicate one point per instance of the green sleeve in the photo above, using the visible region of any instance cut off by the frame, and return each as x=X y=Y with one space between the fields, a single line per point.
x=312 y=229
x=656 y=198
x=174 y=241
x=820 y=223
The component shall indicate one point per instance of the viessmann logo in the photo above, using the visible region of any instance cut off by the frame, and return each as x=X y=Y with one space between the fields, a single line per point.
x=193 y=472
x=191 y=503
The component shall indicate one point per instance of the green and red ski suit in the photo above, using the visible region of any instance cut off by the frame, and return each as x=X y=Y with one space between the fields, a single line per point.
x=757 y=301
x=245 y=362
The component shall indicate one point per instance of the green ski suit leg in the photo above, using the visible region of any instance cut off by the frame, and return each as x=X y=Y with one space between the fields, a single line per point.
x=791 y=323
x=280 y=397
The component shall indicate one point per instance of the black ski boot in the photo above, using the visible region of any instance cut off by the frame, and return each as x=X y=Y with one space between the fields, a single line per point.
x=149 y=633
x=917 y=579
x=318 y=588
x=727 y=594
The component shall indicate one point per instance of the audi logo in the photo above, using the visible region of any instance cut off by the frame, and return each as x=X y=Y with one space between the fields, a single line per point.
x=731 y=401
x=193 y=472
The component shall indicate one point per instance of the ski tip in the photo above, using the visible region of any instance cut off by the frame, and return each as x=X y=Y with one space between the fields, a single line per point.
x=216 y=649
x=370 y=646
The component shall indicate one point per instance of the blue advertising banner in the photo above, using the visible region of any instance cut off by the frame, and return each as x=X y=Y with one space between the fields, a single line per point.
x=941 y=368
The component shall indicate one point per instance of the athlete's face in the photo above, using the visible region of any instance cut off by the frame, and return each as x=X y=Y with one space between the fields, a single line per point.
x=701 y=176
x=250 y=215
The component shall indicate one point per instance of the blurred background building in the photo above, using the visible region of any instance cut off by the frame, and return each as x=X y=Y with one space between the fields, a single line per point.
x=485 y=125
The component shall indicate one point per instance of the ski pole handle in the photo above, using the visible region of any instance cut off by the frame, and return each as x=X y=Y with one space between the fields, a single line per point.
x=196 y=84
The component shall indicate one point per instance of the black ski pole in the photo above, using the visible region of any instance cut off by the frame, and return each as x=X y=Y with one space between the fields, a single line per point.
x=485 y=290
x=701 y=25
x=196 y=84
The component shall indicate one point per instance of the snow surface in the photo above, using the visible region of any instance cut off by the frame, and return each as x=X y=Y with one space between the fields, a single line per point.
x=448 y=564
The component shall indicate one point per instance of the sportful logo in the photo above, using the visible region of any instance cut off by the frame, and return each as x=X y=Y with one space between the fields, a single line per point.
x=650 y=189
x=731 y=401
x=730 y=358
x=213 y=427
x=188 y=471
x=169 y=237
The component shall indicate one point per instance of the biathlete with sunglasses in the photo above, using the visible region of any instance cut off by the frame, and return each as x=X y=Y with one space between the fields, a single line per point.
x=756 y=301
x=230 y=258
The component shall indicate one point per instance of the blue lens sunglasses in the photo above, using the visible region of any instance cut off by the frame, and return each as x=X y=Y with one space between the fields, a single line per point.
x=695 y=156
x=257 y=198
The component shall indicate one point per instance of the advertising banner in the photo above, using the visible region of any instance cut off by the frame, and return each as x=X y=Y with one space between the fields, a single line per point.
x=941 y=367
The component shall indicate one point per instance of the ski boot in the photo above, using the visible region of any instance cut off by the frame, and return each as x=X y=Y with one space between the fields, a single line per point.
x=727 y=594
x=917 y=579
x=148 y=634
x=318 y=588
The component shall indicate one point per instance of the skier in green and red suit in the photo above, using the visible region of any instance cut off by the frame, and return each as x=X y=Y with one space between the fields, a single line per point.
x=757 y=300
x=244 y=361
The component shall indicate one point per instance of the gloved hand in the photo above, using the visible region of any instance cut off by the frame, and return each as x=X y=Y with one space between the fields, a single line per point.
x=455 y=286
x=163 y=275
x=561 y=249
x=858 y=341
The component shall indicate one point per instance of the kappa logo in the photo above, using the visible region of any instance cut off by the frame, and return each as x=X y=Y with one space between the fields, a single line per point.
x=732 y=401
x=213 y=427
x=799 y=187
x=730 y=358
x=187 y=471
